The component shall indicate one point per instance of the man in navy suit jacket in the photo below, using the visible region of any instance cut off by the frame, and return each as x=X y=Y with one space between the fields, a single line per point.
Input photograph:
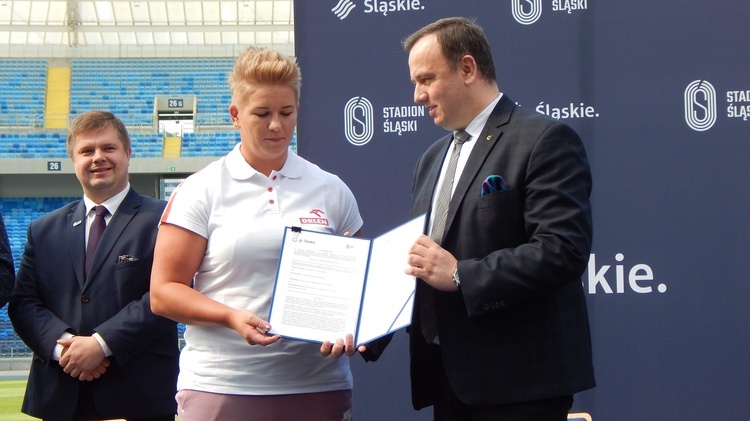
x=99 y=351
x=502 y=283
x=7 y=270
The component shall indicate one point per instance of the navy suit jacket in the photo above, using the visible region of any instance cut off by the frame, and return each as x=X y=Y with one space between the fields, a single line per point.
x=518 y=328
x=52 y=296
x=7 y=268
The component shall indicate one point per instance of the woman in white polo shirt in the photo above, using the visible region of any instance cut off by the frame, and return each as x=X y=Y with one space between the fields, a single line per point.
x=216 y=257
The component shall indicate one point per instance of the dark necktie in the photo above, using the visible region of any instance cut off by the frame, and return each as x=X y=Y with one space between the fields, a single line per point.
x=95 y=234
x=440 y=216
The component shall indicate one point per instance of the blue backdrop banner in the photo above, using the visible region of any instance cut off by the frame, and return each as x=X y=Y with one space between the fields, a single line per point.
x=660 y=94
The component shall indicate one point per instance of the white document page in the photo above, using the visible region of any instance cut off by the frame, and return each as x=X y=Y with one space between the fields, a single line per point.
x=328 y=286
x=318 y=286
x=389 y=292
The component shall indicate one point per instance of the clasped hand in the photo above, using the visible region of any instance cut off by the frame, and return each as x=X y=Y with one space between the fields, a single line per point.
x=83 y=358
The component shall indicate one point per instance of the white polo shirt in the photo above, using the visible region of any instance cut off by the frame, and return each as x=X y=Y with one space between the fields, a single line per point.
x=243 y=215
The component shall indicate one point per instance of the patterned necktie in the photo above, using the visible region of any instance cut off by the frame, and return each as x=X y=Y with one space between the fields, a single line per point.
x=95 y=234
x=440 y=216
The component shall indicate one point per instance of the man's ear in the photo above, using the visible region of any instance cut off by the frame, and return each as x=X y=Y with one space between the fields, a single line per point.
x=468 y=68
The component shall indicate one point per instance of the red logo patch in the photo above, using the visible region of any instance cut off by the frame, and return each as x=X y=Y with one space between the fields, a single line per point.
x=314 y=221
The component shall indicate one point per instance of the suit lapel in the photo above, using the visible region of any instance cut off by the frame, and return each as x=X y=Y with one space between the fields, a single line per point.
x=116 y=226
x=490 y=136
x=77 y=239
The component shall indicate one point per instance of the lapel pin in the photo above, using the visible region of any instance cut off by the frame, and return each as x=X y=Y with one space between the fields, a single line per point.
x=77 y=223
x=489 y=137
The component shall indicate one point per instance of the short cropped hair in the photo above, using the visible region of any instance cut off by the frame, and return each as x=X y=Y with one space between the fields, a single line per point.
x=260 y=66
x=96 y=121
x=458 y=37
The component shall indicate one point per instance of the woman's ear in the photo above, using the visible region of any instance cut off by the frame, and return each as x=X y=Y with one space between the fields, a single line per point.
x=234 y=112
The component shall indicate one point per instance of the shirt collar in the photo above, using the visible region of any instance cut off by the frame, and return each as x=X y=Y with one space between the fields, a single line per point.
x=477 y=125
x=111 y=204
x=239 y=169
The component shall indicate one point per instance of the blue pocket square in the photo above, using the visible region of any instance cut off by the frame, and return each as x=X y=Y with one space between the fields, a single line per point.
x=492 y=184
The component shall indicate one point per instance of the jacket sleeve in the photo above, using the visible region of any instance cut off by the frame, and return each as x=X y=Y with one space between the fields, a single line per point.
x=7 y=269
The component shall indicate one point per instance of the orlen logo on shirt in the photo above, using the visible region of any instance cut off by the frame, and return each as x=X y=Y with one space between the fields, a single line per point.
x=317 y=220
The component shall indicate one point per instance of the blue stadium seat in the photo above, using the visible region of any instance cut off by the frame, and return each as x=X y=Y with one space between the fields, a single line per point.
x=32 y=145
x=22 y=92
x=136 y=82
x=209 y=144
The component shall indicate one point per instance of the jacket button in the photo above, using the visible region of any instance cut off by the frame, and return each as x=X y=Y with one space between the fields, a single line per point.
x=84 y=298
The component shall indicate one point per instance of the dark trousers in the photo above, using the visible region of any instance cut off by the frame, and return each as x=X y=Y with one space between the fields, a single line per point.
x=86 y=409
x=448 y=407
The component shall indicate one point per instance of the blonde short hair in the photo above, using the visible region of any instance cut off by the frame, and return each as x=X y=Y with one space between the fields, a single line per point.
x=260 y=66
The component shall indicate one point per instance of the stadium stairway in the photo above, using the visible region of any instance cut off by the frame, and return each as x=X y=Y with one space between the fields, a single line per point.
x=57 y=104
x=172 y=147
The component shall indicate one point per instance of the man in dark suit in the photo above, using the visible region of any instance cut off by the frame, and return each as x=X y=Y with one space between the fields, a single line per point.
x=99 y=351
x=500 y=327
x=7 y=269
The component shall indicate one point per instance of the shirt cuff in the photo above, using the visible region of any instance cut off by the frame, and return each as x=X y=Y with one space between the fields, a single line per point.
x=107 y=352
x=57 y=353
